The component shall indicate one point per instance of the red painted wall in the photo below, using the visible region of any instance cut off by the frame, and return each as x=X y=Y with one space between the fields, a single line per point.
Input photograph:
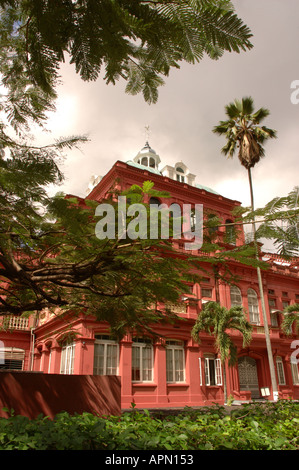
x=31 y=394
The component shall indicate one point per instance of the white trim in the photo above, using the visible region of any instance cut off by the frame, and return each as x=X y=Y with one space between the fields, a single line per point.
x=280 y=371
x=172 y=348
x=200 y=371
x=106 y=368
x=67 y=359
x=142 y=347
x=217 y=373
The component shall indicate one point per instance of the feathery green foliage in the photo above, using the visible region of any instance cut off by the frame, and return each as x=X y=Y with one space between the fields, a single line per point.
x=290 y=319
x=138 y=41
x=220 y=322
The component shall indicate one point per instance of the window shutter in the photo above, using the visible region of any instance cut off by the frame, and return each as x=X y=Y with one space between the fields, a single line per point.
x=200 y=371
x=207 y=371
x=295 y=373
x=218 y=372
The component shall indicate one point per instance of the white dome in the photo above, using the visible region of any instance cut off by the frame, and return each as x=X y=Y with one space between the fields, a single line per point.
x=147 y=157
x=147 y=149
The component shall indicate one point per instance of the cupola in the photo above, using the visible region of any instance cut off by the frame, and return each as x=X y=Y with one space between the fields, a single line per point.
x=147 y=157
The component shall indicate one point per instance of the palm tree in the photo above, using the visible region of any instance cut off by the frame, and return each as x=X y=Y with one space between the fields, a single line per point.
x=243 y=132
x=220 y=322
x=291 y=317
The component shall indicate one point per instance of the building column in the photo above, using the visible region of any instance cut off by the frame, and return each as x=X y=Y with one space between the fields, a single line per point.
x=55 y=358
x=125 y=371
x=193 y=373
x=160 y=373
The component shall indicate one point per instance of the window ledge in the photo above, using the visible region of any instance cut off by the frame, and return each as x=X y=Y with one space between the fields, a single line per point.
x=144 y=384
x=177 y=384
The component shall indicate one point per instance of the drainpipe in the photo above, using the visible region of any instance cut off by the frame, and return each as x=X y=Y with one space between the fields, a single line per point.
x=32 y=342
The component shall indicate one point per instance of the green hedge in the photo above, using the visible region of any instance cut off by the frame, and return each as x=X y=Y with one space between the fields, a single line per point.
x=247 y=427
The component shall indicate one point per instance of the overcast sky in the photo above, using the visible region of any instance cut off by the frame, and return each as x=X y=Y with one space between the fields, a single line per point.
x=190 y=104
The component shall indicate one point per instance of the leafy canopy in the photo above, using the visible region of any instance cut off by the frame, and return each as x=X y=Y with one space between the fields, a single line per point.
x=138 y=41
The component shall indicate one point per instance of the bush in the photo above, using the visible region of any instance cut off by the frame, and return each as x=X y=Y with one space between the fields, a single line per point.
x=248 y=427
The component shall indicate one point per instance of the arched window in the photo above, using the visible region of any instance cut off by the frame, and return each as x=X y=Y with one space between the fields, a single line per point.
x=235 y=297
x=144 y=161
x=253 y=307
x=152 y=162
x=154 y=201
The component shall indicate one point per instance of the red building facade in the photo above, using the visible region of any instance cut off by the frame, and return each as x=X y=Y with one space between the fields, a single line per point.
x=174 y=371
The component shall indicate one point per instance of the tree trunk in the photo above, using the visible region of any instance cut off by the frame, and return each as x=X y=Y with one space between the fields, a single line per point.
x=259 y=276
x=224 y=382
x=216 y=279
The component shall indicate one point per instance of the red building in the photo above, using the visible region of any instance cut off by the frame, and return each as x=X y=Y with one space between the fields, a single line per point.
x=175 y=371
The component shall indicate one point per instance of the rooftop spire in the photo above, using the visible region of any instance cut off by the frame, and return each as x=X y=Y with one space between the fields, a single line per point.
x=147 y=133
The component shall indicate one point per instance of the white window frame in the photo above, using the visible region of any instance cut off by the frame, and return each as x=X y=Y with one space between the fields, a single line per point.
x=295 y=372
x=280 y=371
x=274 y=317
x=173 y=373
x=145 y=355
x=180 y=174
x=216 y=380
x=200 y=371
x=253 y=307
x=109 y=346
x=235 y=296
x=11 y=358
x=67 y=359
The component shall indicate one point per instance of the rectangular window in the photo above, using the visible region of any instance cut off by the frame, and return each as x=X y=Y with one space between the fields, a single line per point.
x=11 y=358
x=213 y=372
x=206 y=292
x=105 y=356
x=274 y=318
x=142 y=360
x=175 y=361
x=295 y=373
x=67 y=359
x=280 y=371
